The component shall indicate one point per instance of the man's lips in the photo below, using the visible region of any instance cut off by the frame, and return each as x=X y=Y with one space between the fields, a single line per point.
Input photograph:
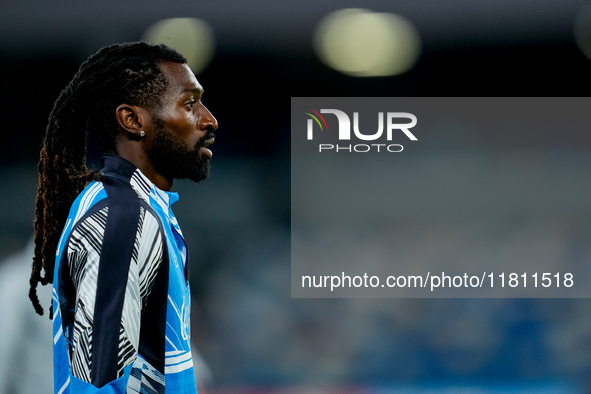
x=208 y=142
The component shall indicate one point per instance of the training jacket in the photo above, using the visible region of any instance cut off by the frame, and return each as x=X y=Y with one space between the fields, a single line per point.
x=121 y=297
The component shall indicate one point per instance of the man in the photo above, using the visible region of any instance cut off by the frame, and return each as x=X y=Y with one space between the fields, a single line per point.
x=121 y=297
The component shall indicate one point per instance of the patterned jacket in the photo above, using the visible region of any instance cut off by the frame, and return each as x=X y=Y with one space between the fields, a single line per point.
x=121 y=297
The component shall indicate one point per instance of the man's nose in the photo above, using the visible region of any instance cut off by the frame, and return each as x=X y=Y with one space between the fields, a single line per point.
x=208 y=121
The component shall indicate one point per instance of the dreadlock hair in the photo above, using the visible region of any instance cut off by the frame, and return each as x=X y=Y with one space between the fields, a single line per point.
x=121 y=73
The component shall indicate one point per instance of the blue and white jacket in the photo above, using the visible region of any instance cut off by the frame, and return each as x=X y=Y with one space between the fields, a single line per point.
x=121 y=297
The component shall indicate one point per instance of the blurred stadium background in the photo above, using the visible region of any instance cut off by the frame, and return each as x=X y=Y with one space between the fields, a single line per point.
x=256 y=55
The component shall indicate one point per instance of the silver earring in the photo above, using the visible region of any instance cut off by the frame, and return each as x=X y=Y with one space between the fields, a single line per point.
x=142 y=133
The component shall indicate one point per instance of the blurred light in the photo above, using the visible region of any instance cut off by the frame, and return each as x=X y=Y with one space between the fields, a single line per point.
x=582 y=31
x=193 y=38
x=362 y=43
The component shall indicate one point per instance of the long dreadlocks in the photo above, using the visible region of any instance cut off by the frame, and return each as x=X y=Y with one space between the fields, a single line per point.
x=117 y=74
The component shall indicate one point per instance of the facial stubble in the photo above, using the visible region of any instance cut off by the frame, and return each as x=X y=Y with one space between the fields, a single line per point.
x=174 y=159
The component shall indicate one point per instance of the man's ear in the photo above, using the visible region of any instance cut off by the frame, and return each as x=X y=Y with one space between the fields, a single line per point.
x=133 y=120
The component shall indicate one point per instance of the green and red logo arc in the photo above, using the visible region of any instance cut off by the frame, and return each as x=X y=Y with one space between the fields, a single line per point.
x=315 y=115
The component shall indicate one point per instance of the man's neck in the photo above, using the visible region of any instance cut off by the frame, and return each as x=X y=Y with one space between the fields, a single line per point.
x=139 y=158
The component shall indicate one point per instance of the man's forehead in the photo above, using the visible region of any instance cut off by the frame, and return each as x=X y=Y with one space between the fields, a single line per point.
x=180 y=78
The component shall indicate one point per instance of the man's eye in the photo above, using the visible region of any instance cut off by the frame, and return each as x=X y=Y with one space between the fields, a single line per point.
x=191 y=103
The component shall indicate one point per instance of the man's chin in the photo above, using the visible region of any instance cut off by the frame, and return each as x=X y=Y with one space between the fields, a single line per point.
x=201 y=172
x=199 y=178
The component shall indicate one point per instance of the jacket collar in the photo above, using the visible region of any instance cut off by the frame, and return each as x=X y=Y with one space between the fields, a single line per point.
x=117 y=166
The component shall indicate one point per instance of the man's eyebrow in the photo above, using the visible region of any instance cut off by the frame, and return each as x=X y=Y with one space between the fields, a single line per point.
x=194 y=90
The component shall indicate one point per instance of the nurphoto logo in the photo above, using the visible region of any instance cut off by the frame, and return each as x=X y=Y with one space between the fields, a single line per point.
x=393 y=125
